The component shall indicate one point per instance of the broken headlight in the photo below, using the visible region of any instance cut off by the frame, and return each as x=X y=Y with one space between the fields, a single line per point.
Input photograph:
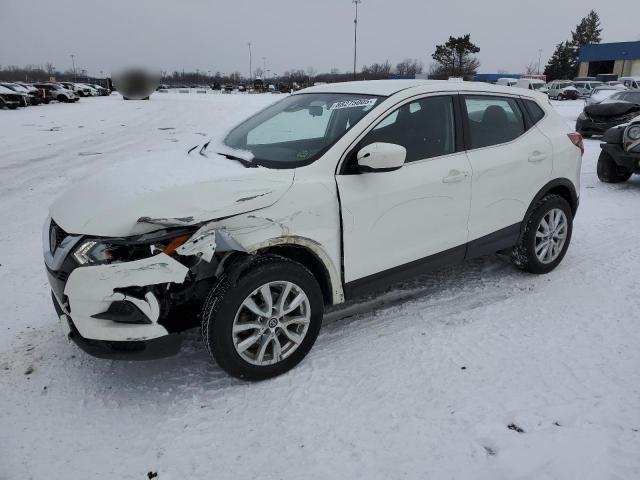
x=99 y=251
x=633 y=132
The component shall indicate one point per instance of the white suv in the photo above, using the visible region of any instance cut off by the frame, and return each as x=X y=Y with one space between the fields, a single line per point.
x=330 y=193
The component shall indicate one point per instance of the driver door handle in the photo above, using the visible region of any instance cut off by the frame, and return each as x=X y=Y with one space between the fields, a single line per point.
x=455 y=176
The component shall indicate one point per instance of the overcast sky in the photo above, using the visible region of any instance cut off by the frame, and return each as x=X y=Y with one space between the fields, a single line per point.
x=213 y=35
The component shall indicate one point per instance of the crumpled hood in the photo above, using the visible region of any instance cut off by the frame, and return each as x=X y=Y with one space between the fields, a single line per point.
x=145 y=194
x=611 y=109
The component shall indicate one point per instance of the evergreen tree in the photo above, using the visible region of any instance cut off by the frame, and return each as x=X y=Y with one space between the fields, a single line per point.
x=562 y=63
x=455 y=58
x=588 y=30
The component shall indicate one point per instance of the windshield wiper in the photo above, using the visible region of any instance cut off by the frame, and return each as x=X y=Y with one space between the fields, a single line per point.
x=244 y=162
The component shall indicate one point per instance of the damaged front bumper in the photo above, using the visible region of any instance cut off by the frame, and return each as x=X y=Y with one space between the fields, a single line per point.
x=156 y=348
x=120 y=309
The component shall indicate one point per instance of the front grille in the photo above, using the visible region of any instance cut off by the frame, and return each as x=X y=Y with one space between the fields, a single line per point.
x=60 y=275
x=56 y=236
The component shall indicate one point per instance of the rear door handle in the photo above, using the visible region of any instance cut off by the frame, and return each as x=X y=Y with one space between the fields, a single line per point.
x=537 y=157
x=455 y=176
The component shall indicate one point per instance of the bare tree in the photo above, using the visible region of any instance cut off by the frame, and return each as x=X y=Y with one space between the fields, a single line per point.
x=311 y=72
x=377 y=70
x=409 y=67
x=531 y=69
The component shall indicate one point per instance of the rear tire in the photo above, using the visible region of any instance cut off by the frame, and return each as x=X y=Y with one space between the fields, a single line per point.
x=609 y=171
x=546 y=236
x=235 y=336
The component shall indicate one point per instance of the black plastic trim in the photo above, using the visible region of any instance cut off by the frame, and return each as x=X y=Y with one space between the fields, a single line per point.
x=494 y=242
x=558 y=182
x=161 y=347
x=124 y=312
x=385 y=279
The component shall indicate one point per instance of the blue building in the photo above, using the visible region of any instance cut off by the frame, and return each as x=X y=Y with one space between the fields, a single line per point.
x=620 y=58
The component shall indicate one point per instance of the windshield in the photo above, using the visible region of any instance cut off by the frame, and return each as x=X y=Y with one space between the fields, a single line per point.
x=538 y=86
x=632 y=97
x=298 y=129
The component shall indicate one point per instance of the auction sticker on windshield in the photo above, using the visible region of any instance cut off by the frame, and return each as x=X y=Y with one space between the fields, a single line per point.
x=360 y=102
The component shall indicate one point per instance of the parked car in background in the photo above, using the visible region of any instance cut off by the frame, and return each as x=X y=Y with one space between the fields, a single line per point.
x=11 y=99
x=57 y=92
x=562 y=90
x=264 y=228
x=71 y=87
x=620 y=155
x=83 y=90
x=20 y=90
x=586 y=87
x=103 y=92
x=607 y=77
x=35 y=96
x=602 y=93
x=507 y=82
x=619 y=108
x=93 y=92
x=630 y=82
x=532 y=84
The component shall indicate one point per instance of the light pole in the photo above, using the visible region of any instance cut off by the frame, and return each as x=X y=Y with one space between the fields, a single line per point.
x=264 y=68
x=250 y=66
x=355 y=37
x=539 y=57
x=73 y=62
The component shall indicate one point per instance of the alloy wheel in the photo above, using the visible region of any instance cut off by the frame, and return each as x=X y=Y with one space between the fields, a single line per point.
x=271 y=323
x=551 y=235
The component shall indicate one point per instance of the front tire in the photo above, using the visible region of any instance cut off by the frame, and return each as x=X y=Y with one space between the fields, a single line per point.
x=265 y=323
x=609 y=171
x=546 y=236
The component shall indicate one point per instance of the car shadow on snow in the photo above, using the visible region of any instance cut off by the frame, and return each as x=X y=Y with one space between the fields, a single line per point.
x=443 y=288
x=444 y=292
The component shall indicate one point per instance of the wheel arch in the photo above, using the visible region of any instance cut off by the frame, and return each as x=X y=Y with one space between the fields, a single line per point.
x=562 y=187
x=306 y=252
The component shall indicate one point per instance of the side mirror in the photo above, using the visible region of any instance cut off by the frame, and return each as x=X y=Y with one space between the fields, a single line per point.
x=381 y=157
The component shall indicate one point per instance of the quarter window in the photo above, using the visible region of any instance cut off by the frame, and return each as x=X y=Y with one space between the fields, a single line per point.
x=535 y=112
x=424 y=127
x=493 y=120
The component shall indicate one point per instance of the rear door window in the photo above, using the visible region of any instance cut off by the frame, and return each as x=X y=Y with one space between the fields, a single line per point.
x=493 y=120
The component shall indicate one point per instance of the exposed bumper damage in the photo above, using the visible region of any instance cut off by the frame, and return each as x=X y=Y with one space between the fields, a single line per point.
x=92 y=291
x=126 y=304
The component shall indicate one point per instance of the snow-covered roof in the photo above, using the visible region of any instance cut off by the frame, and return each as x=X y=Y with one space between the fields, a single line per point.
x=390 y=87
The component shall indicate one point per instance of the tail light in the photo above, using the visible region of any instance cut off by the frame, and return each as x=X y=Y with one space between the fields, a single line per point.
x=576 y=139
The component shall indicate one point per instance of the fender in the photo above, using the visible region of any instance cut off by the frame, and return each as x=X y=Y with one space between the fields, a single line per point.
x=560 y=185
x=334 y=279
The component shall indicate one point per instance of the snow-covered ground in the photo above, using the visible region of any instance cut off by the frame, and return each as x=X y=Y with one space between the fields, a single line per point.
x=476 y=372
